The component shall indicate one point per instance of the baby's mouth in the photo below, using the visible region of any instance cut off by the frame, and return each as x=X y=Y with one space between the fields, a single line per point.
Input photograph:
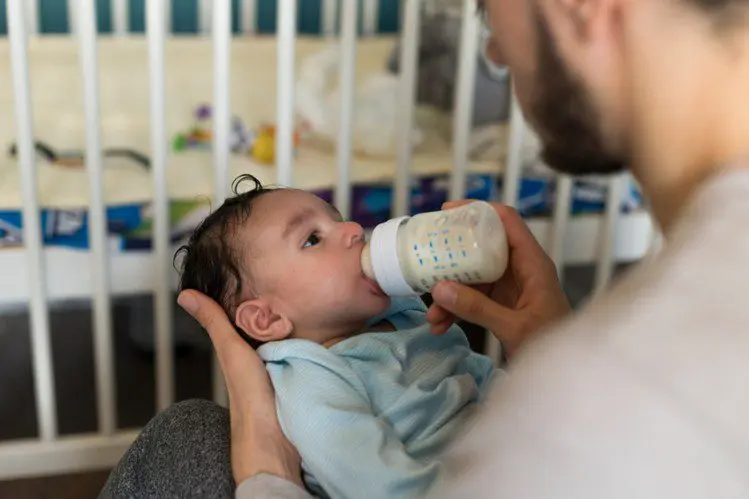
x=367 y=271
x=373 y=285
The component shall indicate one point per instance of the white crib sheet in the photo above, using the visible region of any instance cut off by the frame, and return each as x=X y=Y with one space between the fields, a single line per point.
x=190 y=175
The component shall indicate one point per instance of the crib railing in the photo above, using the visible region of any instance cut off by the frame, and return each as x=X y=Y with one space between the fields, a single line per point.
x=51 y=453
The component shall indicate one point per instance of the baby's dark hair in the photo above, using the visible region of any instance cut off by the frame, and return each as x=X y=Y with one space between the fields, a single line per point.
x=210 y=261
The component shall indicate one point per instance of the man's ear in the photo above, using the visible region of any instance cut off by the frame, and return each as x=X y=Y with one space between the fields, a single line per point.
x=257 y=319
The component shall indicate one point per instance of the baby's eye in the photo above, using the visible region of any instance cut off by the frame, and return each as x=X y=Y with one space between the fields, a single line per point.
x=312 y=240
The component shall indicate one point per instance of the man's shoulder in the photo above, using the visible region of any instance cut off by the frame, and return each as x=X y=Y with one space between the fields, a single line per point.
x=672 y=334
x=646 y=384
x=699 y=279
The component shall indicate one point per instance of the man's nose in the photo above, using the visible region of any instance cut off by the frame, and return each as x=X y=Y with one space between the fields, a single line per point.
x=353 y=233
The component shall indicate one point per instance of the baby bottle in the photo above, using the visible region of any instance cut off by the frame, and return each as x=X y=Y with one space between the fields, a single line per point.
x=407 y=256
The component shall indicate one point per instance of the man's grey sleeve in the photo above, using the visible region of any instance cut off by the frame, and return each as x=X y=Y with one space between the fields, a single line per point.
x=269 y=487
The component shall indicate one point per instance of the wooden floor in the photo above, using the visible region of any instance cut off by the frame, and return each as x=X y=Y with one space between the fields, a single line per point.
x=73 y=367
x=80 y=486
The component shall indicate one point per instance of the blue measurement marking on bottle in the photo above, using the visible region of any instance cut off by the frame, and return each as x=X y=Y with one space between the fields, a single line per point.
x=416 y=247
x=445 y=240
x=436 y=259
x=421 y=262
x=464 y=254
x=431 y=244
x=460 y=239
x=450 y=255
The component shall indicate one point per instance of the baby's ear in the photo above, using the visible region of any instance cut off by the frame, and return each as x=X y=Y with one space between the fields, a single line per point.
x=257 y=319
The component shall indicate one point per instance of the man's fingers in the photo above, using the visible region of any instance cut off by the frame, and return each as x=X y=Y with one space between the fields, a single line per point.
x=211 y=317
x=437 y=314
x=519 y=235
x=471 y=305
x=242 y=368
x=439 y=319
x=440 y=328
x=527 y=257
x=449 y=205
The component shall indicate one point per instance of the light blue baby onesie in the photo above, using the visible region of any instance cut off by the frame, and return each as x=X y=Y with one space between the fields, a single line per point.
x=372 y=415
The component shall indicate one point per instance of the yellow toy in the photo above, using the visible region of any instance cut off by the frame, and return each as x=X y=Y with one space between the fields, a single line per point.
x=264 y=147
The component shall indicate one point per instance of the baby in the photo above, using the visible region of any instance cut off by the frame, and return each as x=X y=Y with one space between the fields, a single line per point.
x=369 y=397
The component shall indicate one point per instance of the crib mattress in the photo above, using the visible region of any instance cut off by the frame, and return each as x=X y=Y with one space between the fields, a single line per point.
x=56 y=92
x=190 y=175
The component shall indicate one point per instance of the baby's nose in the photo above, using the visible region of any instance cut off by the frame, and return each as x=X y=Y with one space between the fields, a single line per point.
x=353 y=233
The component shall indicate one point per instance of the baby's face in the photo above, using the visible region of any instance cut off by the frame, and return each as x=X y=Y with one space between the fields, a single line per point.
x=307 y=262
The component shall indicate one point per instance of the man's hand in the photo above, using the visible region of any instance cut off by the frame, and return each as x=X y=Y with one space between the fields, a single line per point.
x=258 y=444
x=494 y=52
x=526 y=298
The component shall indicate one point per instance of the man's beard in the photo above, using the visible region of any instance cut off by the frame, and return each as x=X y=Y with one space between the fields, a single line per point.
x=565 y=117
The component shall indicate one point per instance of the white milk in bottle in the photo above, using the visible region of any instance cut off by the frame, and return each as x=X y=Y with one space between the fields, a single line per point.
x=407 y=256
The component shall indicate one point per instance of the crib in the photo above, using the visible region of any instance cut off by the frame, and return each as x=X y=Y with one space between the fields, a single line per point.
x=139 y=90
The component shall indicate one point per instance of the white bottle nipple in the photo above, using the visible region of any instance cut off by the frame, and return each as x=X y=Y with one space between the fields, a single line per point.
x=366 y=262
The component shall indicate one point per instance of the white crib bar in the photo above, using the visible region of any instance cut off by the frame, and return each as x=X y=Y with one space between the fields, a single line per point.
x=463 y=115
x=514 y=166
x=286 y=36
x=560 y=222
x=168 y=17
x=221 y=122
x=249 y=16
x=329 y=16
x=120 y=12
x=72 y=16
x=510 y=186
x=32 y=16
x=205 y=13
x=163 y=306
x=406 y=98
x=347 y=83
x=103 y=349
x=371 y=17
x=44 y=386
x=221 y=95
x=606 y=261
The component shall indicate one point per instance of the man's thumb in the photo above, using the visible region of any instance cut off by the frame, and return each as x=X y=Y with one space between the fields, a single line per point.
x=466 y=303
x=204 y=310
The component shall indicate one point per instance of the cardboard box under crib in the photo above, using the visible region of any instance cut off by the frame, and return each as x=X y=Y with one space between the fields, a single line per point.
x=537 y=194
x=67 y=227
x=128 y=227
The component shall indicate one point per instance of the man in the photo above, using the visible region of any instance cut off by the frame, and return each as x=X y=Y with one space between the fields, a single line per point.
x=645 y=392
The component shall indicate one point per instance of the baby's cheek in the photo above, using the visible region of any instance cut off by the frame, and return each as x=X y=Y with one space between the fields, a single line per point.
x=337 y=290
x=326 y=283
x=324 y=288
